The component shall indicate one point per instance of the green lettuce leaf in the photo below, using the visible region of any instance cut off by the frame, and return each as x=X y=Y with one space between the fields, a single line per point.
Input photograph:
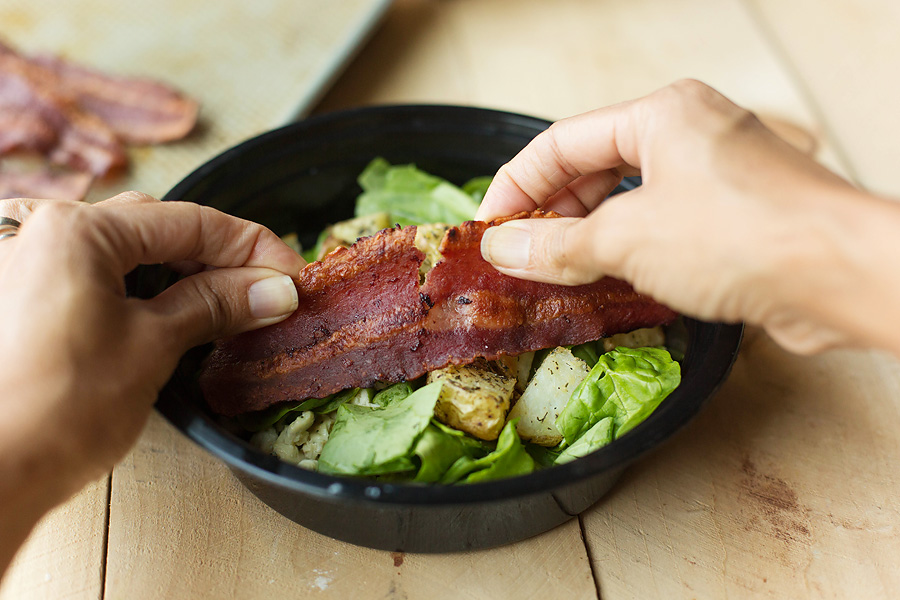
x=508 y=460
x=412 y=196
x=377 y=441
x=477 y=187
x=588 y=352
x=543 y=457
x=392 y=394
x=257 y=421
x=311 y=254
x=437 y=451
x=596 y=437
x=626 y=384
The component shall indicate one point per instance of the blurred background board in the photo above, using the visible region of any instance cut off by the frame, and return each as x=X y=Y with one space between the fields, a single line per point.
x=251 y=65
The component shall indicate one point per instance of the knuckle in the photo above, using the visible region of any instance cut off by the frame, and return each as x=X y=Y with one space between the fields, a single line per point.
x=565 y=257
x=214 y=303
x=561 y=170
x=691 y=88
x=687 y=96
x=555 y=253
x=744 y=120
x=57 y=218
x=10 y=206
x=135 y=197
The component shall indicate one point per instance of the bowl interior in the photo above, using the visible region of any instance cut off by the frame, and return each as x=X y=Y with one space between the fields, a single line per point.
x=301 y=178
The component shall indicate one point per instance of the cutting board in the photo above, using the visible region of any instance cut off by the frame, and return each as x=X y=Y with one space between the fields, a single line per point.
x=252 y=65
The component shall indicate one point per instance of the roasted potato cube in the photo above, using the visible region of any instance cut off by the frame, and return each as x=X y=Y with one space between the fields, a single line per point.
x=639 y=338
x=473 y=399
x=546 y=396
x=523 y=370
x=352 y=229
x=328 y=244
x=292 y=241
x=428 y=240
x=345 y=233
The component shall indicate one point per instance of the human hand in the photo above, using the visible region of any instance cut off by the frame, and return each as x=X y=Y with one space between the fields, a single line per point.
x=731 y=223
x=82 y=364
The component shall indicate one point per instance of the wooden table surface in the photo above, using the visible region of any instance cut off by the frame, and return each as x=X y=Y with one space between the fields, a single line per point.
x=786 y=486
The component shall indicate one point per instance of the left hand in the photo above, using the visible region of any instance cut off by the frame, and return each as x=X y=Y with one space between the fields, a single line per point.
x=80 y=363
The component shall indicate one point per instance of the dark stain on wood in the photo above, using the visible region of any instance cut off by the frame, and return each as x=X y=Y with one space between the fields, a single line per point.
x=776 y=503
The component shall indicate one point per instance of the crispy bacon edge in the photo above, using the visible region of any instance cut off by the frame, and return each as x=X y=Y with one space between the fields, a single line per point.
x=363 y=318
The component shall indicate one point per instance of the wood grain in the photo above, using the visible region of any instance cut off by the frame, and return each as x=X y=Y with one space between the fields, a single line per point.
x=786 y=487
x=182 y=527
x=843 y=56
x=556 y=59
x=64 y=556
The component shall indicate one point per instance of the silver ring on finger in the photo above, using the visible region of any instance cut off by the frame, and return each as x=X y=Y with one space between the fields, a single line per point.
x=8 y=227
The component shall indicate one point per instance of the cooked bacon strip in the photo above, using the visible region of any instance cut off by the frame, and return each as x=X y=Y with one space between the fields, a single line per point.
x=79 y=117
x=44 y=184
x=22 y=128
x=139 y=111
x=55 y=125
x=363 y=318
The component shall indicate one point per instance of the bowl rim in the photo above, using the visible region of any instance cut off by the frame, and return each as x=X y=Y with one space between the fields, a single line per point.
x=671 y=415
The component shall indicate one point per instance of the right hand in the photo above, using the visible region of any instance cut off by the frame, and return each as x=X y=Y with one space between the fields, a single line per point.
x=731 y=222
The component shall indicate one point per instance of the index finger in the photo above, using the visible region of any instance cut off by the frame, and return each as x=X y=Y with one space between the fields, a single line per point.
x=20 y=208
x=165 y=232
x=593 y=144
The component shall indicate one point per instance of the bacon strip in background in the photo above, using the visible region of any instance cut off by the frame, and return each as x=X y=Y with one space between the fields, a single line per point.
x=44 y=183
x=80 y=118
x=139 y=111
x=32 y=100
x=363 y=318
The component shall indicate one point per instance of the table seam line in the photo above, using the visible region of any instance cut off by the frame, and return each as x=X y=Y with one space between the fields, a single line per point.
x=104 y=570
x=590 y=558
x=775 y=44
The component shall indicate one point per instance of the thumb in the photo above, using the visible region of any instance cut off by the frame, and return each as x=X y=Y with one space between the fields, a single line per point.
x=221 y=302
x=559 y=250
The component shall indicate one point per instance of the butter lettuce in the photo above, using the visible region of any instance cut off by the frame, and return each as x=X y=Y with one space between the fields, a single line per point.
x=477 y=187
x=596 y=437
x=440 y=447
x=392 y=394
x=508 y=459
x=589 y=352
x=625 y=385
x=413 y=197
x=257 y=421
x=378 y=441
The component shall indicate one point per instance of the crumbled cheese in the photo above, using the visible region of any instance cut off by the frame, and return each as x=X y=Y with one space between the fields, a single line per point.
x=300 y=441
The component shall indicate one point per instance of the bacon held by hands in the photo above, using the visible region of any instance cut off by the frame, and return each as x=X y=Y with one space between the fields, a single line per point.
x=363 y=317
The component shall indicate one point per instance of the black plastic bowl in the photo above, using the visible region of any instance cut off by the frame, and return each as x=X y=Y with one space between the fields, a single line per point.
x=302 y=177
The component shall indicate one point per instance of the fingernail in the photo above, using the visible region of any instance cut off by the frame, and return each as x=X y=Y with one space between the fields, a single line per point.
x=507 y=246
x=272 y=297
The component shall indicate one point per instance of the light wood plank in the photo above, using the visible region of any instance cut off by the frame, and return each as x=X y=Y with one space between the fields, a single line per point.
x=845 y=54
x=786 y=487
x=64 y=555
x=556 y=59
x=182 y=527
